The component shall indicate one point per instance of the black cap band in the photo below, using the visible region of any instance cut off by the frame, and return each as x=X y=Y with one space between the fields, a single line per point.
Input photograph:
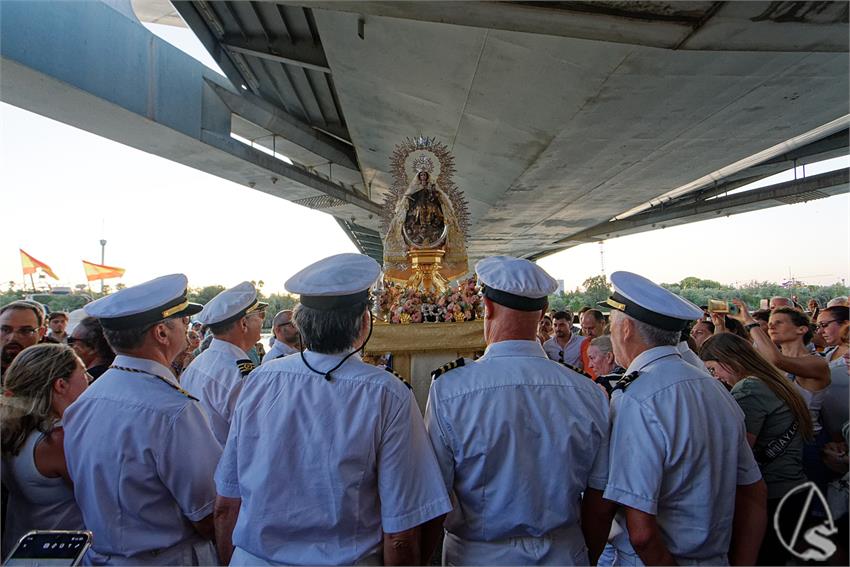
x=150 y=316
x=332 y=302
x=632 y=309
x=513 y=301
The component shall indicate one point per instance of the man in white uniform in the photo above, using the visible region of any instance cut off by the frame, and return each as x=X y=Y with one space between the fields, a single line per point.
x=139 y=449
x=521 y=440
x=328 y=461
x=235 y=319
x=681 y=468
x=285 y=335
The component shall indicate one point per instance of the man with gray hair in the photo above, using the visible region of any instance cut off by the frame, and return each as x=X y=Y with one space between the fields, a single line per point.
x=684 y=473
x=139 y=450
x=362 y=483
x=839 y=301
x=779 y=301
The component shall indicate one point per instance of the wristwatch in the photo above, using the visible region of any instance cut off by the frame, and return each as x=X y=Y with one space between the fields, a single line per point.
x=751 y=326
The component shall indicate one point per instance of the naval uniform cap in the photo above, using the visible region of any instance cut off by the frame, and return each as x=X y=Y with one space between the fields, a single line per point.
x=647 y=301
x=143 y=304
x=231 y=304
x=515 y=282
x=335 y=282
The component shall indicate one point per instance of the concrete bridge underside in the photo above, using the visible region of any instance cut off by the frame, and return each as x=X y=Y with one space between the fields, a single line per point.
x=570 y=122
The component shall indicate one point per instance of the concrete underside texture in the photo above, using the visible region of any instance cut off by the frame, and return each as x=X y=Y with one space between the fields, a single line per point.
x=561 y=117
x=555 y=135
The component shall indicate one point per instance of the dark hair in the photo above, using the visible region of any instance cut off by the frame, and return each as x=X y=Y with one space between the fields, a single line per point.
x=129 y=339
x=798 y=319
x=597 y=315
x=26 y=304
x=563 y=315
x=762 y=315
x=329 y=332
x=744 y=360
x=221 y=328
x=92 y=333
x=56 y=314
x=840 y=312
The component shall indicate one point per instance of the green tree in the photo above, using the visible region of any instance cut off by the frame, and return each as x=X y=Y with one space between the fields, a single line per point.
x=203 y=295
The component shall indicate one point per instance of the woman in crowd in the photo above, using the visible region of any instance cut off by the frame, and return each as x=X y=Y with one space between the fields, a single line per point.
x=784 y=346
x=88 y=342
x=833 y=326
x=774 y=411
x=40 y=384
x=544 y=329
x=179 y=364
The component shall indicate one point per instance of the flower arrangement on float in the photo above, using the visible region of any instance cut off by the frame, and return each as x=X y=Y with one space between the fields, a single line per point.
x=397 y=304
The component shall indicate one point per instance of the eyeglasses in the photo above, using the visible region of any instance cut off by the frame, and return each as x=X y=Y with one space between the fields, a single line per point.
x=21 y=331
x=825 y=324
x=73 y=340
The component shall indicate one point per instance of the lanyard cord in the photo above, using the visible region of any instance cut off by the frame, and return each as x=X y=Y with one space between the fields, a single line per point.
x=137 y=371
x=327 y=375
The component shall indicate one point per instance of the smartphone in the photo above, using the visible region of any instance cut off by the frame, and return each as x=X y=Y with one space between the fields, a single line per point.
x=721 y=306
x=53 y=547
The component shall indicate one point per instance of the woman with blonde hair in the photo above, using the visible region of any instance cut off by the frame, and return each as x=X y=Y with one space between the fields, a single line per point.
x=775 y=415
x=42 y=381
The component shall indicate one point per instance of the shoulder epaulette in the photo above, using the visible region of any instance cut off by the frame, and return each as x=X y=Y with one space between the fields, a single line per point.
x=245 y=366
x=626 y=381
x=446 y=367
x=577 y=369
x=405 y=382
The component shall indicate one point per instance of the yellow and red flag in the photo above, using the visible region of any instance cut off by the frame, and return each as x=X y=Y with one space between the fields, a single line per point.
x=30 y=265
x=100 y=272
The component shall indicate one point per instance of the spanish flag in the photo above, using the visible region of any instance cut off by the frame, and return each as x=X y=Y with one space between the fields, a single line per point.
x=99 y=272
x=30 y=265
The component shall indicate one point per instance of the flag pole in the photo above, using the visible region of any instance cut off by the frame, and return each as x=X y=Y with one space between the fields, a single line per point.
x=32 y=281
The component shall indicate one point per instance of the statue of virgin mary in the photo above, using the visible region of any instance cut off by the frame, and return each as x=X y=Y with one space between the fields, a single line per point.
x=426 y=213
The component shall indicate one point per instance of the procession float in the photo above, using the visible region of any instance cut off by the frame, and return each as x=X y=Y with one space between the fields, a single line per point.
x=428 y=309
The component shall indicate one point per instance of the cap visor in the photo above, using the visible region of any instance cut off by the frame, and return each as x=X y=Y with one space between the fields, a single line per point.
x=191 y=309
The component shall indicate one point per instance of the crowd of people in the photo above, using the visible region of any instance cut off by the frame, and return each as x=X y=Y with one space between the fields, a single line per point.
x=644 y=430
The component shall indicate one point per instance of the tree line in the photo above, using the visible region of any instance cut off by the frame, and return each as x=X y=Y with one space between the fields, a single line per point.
x=592 y=291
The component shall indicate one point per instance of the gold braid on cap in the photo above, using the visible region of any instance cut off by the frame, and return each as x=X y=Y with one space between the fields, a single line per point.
x=176 y=309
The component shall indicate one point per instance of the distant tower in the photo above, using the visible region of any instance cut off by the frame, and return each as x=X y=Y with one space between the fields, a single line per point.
x=602 y=257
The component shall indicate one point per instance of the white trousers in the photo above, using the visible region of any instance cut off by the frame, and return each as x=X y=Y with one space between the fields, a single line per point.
x=564 y=546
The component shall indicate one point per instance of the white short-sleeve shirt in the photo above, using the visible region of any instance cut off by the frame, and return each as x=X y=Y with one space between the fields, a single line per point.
x=518 y=438
x=678 y=450
x=214 y=377
x=142 y=457
x=324 y=468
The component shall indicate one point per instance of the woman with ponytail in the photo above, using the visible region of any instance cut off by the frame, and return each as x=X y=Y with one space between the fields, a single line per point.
x=40 y=383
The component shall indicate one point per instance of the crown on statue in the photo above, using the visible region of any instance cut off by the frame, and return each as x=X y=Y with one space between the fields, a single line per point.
x=423 y=163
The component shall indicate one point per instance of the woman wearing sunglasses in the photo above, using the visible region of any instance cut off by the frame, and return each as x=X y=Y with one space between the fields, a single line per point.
x=832 y=324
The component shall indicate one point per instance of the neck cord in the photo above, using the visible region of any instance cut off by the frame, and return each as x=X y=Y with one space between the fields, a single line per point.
x=170 y=384
x=327 y=375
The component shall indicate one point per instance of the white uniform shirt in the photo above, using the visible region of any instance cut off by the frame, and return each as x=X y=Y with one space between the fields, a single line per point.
x=518 y=438
x=678 y=451
x=323 y=468
x=141 y=455
x=571 y=353
x=278 y=350
x=215 y=379
x=690 y=356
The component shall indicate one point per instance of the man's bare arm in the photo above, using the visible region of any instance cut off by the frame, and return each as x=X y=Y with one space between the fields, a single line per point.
x=749 y=523
x=596 y=517
x=402 y=548
x=431 y=531
x=226 y=513
x=645 y=537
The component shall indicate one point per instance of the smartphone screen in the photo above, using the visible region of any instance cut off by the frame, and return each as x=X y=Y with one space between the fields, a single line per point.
x=50 y=548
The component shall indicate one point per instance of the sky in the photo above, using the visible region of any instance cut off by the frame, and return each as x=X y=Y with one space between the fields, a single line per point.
x=63 y=189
